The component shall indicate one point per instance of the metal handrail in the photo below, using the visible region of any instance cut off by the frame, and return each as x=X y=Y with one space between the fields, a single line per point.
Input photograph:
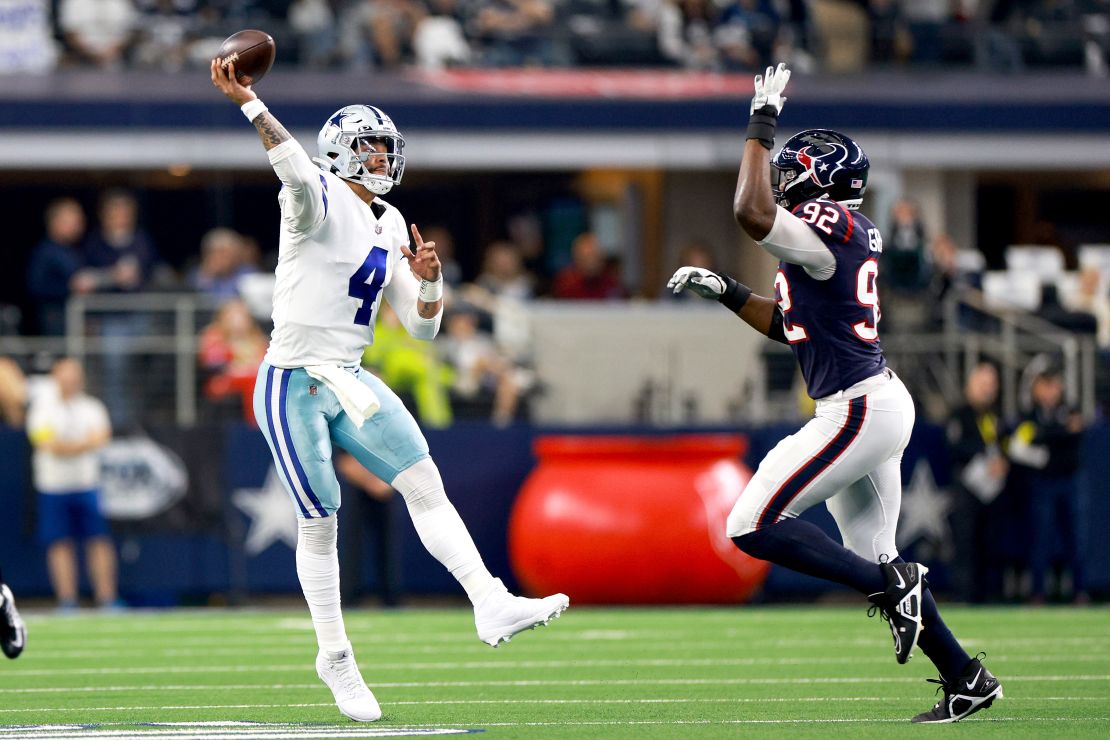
x=181 y=344
x=1078 y=352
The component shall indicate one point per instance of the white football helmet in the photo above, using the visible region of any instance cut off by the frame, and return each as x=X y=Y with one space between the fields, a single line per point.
x=342 y=147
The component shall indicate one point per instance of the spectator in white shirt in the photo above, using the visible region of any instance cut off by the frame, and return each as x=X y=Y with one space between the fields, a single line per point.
x=98 y=32
x=68 y=428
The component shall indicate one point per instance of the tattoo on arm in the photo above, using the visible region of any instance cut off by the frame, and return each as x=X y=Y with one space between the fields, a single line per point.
x=427 y=310
x=270 y=130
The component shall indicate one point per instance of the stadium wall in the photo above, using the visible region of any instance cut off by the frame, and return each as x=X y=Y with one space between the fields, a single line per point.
x=226 y=537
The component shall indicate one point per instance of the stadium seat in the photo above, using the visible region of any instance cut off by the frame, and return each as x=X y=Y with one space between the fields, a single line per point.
x=1009 y=289
x=970 y=261
x=1035 y=259
x=1097 y=255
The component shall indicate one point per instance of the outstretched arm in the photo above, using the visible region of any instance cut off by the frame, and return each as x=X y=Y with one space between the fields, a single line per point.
x=753 y=206
x=762 y=314
x=773 y=228
x=303 y=200
x=269 y=128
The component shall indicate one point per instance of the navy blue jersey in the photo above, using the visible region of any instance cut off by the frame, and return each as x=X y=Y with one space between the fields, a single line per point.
x=833 y=325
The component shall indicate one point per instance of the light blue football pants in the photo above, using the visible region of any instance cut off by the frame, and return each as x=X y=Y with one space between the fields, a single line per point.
x=303 y=421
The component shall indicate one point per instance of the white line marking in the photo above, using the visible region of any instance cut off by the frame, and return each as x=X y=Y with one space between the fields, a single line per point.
x=837 y=720
x=263 y=733
x=464 y=646
x=493 y=664
x=1010 y=678
x=437 y=702
x=316 y=686
x=164 y=707
x=259 y=733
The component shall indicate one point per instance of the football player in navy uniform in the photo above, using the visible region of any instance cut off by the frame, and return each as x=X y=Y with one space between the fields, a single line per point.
x=801 y=206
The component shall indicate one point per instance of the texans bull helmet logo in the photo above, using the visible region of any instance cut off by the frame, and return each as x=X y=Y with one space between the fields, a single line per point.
x=822 y=161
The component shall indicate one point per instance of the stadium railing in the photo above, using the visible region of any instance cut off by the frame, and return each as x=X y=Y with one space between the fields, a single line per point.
x=641 y=363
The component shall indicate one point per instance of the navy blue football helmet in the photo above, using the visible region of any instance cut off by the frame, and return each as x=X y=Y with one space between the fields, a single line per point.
x=819 y=163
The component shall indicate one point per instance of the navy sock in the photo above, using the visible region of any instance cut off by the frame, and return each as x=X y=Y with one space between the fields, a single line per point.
x=937 y=641
x=802 y=546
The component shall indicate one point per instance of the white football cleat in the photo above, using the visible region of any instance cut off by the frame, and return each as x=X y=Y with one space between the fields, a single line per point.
x=500 y=615
x=13 y=633
x=340 y=672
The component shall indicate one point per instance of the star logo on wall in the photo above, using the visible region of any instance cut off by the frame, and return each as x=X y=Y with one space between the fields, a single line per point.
x=925 y=510
x=270 y=513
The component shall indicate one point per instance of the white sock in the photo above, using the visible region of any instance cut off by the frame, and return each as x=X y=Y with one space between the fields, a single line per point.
x=318 y=571
x=441 y=529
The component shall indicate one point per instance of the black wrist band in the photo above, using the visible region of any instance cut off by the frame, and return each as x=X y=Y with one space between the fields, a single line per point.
x=761 y=126
x=735 y=296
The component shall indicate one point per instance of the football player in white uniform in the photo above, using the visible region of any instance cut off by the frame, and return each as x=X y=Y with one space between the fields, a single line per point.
x=342 y=249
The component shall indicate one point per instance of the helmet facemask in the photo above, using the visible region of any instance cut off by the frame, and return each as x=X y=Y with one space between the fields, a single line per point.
x=355 y=143
x=782 y=180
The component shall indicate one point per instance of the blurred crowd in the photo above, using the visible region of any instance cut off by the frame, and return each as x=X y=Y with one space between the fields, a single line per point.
x=478 y=368
x=481 y=365
x=839 y=36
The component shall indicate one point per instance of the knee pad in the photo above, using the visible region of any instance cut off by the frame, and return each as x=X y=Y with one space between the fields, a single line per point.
x=317 y=535
x=742 y=518
x=421 y=486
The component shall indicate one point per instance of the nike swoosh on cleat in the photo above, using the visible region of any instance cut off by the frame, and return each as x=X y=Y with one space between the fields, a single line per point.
x=972 y=682
x=901 y=583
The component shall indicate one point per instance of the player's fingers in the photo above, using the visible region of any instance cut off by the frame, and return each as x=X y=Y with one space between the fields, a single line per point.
x=416 y=236
x=407 y=252
x=428 y=246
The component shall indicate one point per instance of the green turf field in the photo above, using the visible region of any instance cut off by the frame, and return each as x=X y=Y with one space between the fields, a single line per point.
x=593 y=673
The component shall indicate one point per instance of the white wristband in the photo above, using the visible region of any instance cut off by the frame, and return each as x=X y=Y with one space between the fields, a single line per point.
x=431 y=290
x=252 y=109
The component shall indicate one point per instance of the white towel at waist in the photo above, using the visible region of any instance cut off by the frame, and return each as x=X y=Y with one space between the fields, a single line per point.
x=357 y=400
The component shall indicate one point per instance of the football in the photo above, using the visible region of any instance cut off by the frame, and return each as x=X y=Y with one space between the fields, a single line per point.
x=252 y=53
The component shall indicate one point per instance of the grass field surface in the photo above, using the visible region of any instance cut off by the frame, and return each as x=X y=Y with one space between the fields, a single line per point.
x=594 y=673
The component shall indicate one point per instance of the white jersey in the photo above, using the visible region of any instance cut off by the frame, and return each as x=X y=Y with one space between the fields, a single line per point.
x=337 y=257
x=51 y=418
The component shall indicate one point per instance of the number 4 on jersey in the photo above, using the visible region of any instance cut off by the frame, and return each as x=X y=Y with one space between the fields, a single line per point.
x=366 y=283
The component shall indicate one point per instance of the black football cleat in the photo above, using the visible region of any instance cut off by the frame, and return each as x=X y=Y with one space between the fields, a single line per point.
x=900 y=605
x=13 y=633
x=976 y=689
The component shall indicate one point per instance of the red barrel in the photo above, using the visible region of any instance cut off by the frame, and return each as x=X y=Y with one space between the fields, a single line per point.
x=633 y=520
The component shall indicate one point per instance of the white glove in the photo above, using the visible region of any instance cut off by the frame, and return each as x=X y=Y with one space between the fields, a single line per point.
x=769 y=87
x=705 y=283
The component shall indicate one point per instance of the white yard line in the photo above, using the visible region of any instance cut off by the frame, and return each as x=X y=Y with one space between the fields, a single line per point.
x=506 y=702
x=263 y=732
x=1010 y=678
x=317 y=686
x=509 y=665
x=217 y=732
x=459 y=646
